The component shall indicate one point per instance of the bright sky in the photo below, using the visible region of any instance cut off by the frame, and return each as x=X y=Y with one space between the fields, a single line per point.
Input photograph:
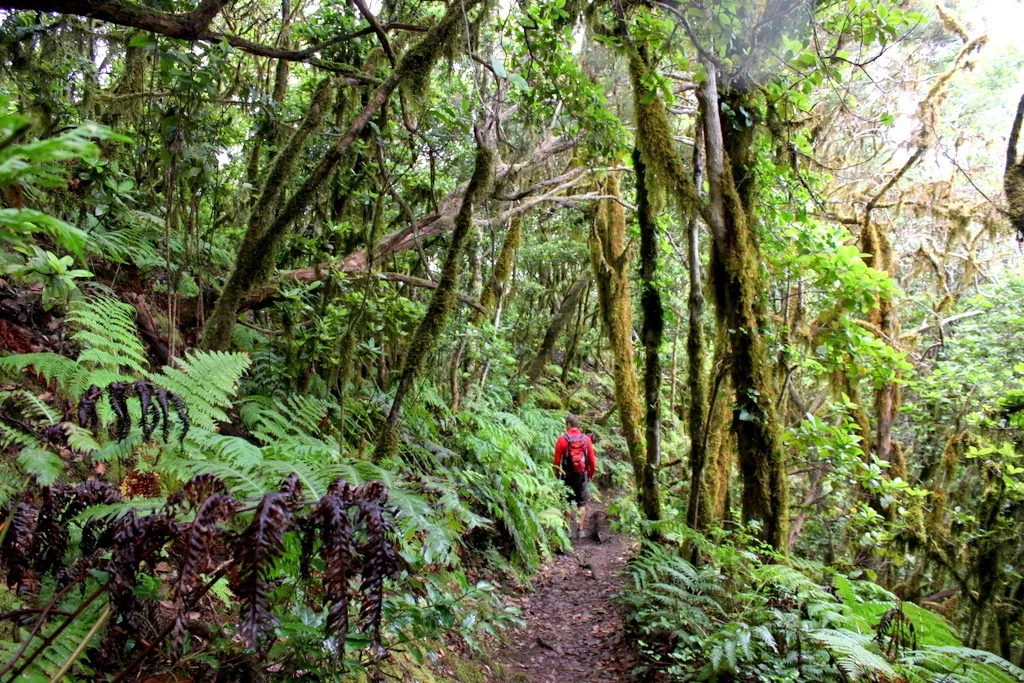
x=990 y=91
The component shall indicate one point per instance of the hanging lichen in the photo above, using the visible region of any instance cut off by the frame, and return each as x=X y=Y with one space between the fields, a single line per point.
x=654 y=133
x=446 y=39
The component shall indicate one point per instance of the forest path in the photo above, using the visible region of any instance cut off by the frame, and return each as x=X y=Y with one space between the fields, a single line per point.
x=574 y=630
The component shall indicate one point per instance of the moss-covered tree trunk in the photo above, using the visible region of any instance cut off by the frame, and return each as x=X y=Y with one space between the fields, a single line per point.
x=1013 y=175
x=610 y=261
x=700 y=513
x=441 y=303
x=494 y=292
x=720 y=449
x=249 y=264
x=660 y=154
x=652 y=329
x=739 y=293
x=875 y=243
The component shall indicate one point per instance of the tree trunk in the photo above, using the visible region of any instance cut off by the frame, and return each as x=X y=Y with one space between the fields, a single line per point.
x=699 y=512
x=738 y=287
x=493 y=295
x=441 y=303
x=875 y=243
x=610 y=260
x=502 y=270
x=1013 y=175
x=652 y=329
x=572 y=348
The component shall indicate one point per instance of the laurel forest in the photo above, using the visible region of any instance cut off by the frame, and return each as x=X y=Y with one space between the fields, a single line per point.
x=295 y=298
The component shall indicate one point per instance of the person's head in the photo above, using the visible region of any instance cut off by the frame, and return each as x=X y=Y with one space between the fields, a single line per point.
x=572 y=422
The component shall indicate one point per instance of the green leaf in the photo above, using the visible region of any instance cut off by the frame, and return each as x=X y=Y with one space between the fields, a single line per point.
x=146 y=40
x=499 y=68
x=518 y=81
x=42 y=464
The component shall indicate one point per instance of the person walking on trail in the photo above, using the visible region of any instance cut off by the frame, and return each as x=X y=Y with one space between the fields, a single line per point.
x=575 y=464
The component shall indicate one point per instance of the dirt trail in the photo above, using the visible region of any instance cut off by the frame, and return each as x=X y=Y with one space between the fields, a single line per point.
x=574 y=627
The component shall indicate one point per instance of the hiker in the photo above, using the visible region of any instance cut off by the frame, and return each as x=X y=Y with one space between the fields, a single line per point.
x=575 y=464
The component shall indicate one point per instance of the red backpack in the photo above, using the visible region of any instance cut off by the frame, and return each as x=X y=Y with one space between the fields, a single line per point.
x=576 y=463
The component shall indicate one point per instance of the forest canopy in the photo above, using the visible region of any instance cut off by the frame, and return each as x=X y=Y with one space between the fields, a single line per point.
x=295 y=298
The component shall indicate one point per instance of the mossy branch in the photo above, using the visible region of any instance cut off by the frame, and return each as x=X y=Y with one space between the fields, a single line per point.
x=256 y=258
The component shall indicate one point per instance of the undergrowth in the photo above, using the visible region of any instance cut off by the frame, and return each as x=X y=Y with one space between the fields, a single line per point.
x=150 y=501
x=740 y=614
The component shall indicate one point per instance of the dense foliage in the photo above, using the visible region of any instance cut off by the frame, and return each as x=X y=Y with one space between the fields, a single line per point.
x=295 y=298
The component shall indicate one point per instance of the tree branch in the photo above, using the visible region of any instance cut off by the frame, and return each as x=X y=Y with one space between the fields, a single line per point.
x=194 y=26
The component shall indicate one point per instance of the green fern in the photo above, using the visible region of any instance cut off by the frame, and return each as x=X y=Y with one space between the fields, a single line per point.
x=206 y=382
x=855 y=654
x=107 y=334
x=65 y=651
x=958 y=664
x=110 y=348
x=296 y=419
x=127 y=245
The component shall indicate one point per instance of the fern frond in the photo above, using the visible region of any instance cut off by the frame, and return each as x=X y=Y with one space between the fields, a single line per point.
x=854 y=654
x=231 y=449
x=107 y=333
x=978 y=666
x=206 y=383
x=51 y=366
x=64 y=653
x=46 y=466
x=295 y=420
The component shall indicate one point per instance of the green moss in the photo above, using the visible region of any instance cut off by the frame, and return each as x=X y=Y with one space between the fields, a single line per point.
x=951 y=455
x=653 y=131
x=503 y=266
x=467 y=672
x=416 y=65
x=610 y=261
